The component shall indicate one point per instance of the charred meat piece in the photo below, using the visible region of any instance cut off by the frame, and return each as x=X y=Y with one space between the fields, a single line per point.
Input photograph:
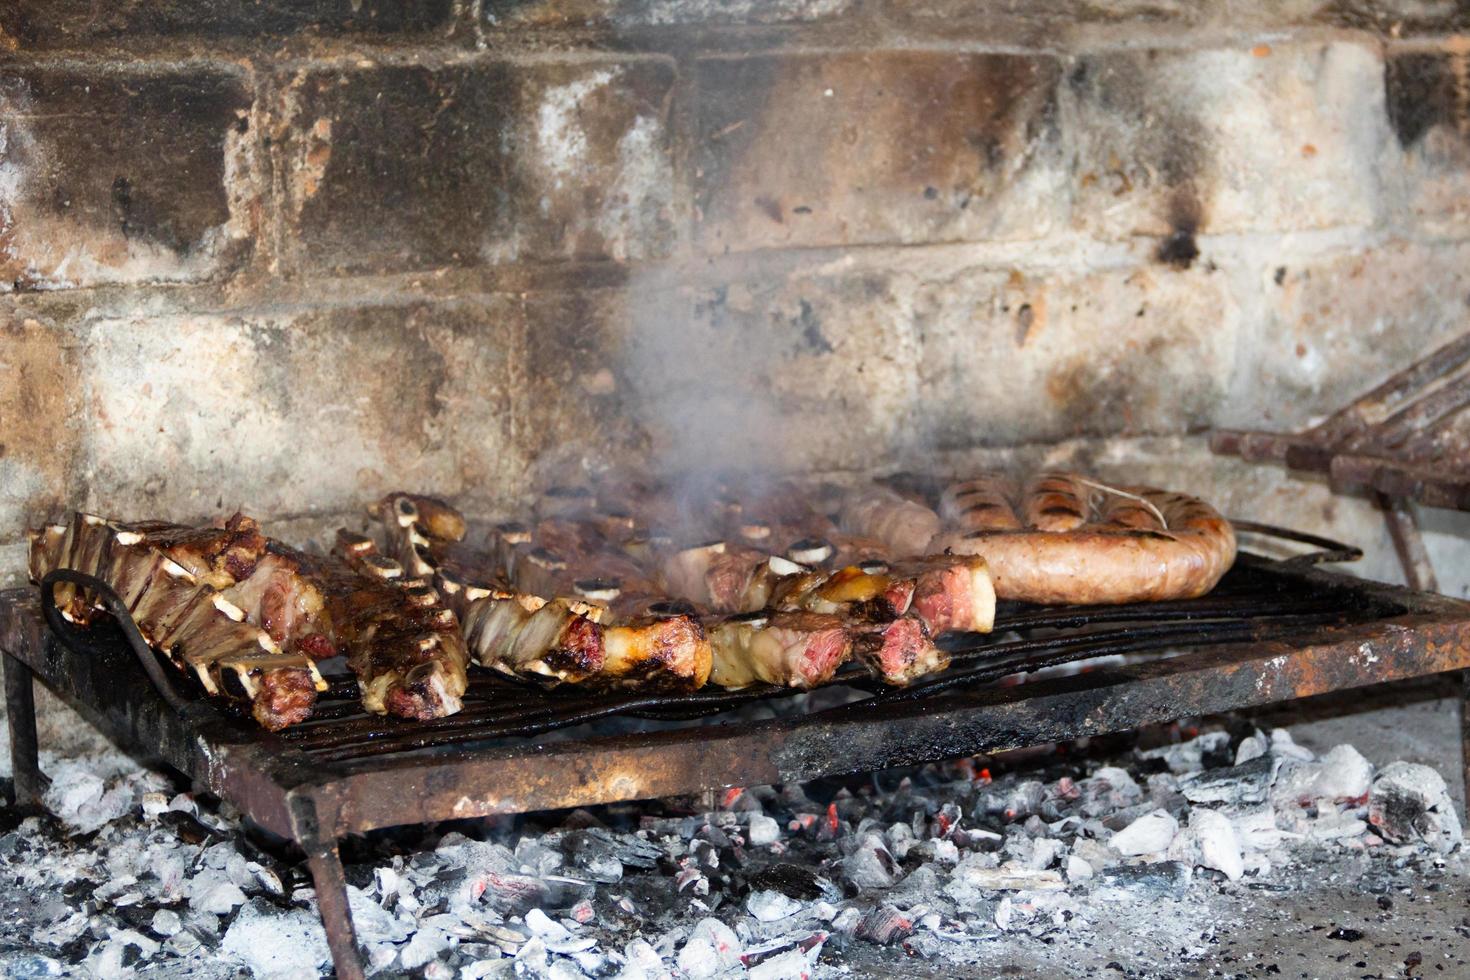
x=183 y=616
x=400 y=638
x=951 y=592
x=726 y=577
x=789 y=649
x=597 y=631
x=898 y=651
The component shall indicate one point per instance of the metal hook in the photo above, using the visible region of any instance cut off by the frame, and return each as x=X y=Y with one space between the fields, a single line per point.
x=71 y=635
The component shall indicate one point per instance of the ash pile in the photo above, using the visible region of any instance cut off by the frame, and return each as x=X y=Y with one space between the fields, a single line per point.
x=945 y=863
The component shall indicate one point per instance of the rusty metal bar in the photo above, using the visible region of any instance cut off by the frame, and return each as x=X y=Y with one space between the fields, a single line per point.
x=1465 y=739
x=20 y=708
x=1401 y=439
x=331 y=899
x=1408 y=543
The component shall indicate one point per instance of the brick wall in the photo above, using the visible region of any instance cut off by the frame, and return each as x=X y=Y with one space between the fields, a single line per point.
x=288 y=255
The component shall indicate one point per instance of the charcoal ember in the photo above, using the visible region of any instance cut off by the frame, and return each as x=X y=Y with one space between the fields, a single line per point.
x=276 y=942
x=972 y=879
x=374 y=923
x=762 y=830
x=1409 y=802
x=643 y=961
x=464 y=869
x=1245 y=783
x=772 y=906
x=488 y=969
x=535 y=858
x=869 y=864
x=29 y=966
x=711 y=949
x=165 y=923
x=602 y=855
x=1344 y=776
x=1282 y=744
x=516 y=894
x=884 y=924
x=940 y=851
x=1334 y=824
x=532 y=959
x=1253 y=746
x=1209 y=841
x=1162 y=879
x=427 y=943
x=920 y=886
x=794 y=881
x=1108 y=788
x=186 y=826
x=1077 y=869
x=1095 y=853
x=1185 y=757
x=212 y=891
x=1016 y=803
x=1149 y=834
x=703 y=854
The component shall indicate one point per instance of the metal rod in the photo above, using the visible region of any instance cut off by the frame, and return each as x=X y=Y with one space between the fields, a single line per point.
x=20 y=707
x=68 y=634
x=1408 y=543
x=331 y=899
x=1465 y=739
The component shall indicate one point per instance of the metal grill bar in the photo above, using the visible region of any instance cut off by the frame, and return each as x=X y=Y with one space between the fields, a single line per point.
x=1272 y=631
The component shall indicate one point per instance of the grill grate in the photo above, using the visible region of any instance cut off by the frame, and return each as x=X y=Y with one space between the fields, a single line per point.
x=1247 y=606
x=1271 y=631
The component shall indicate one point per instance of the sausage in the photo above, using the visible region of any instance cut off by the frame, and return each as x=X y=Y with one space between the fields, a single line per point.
x=1055 y=502
x=1126 y=555
x=981 y=504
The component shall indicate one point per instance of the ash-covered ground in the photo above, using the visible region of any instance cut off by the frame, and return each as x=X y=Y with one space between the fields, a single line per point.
x=1324 y=849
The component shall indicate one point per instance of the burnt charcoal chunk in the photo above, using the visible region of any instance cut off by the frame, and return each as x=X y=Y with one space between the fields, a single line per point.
x=793 y=881
x=46 y=22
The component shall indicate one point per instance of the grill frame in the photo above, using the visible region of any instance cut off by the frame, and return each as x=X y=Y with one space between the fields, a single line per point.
x=315 y=801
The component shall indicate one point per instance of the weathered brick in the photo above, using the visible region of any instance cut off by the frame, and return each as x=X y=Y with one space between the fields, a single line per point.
x=657 y=13
x=54 y=22
x=1428 y=95
x=1265 y=137
x=115 y=177
x=1334 y=327
x=1009 y=358
x=1137 y=18
x=312 y=412
x=40 y=394
x=859 y=148
x=577 y=397
x=397 y=168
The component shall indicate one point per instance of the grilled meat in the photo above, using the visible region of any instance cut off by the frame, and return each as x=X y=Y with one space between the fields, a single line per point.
x=898 y=651
x=789 y=649
x=180 y=613
x=400 y=638
x=598 y=629
x=905 y=526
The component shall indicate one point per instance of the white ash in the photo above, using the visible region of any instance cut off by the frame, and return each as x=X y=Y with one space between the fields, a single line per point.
x=133 y=878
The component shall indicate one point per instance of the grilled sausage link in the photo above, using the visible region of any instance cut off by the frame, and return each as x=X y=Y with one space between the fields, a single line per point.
x=1127 y=555
x=981 y=504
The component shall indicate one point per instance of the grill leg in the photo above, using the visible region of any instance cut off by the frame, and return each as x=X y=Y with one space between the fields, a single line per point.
x=20 y=709
x=331 y=898
x=1465 y=738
